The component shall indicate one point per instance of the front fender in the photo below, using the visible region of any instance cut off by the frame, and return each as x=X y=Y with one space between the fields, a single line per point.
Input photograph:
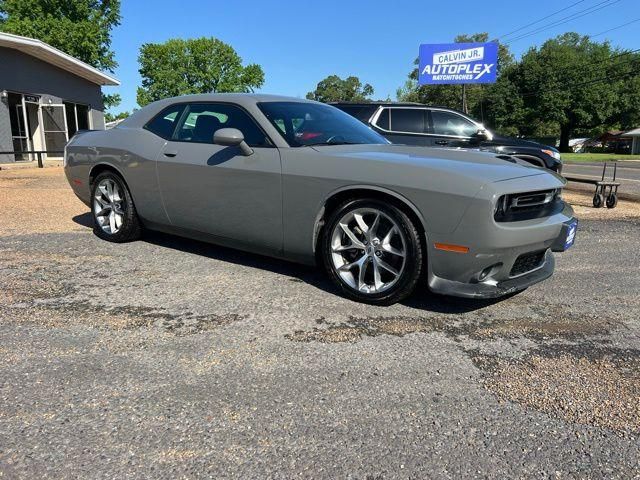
x=357 y=189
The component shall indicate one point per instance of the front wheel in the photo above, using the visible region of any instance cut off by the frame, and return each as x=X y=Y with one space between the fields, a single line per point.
x=114 y=214
x=372 y=251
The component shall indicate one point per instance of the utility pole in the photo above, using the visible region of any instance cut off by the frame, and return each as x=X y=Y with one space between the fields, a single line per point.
x=464 y=98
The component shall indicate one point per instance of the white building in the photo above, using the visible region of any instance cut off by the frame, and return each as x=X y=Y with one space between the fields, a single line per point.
x=45 y=97
x=635 y=146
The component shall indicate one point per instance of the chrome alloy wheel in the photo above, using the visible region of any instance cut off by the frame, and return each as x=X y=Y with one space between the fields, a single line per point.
x=368 y=250
x=108 y=206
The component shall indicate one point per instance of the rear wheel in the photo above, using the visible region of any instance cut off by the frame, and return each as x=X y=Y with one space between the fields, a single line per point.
x=372 y=251
x=114 y=215
x=612 y=200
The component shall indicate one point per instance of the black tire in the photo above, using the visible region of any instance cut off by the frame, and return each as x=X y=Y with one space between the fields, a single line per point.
x=612 y=200
x=414 y=259
x=131 y=229
x=598 y=200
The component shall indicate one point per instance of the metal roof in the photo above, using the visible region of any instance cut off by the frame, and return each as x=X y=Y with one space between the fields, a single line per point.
x=47 y=53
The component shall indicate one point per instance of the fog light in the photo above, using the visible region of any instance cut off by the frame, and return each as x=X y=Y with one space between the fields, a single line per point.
x=485 y=273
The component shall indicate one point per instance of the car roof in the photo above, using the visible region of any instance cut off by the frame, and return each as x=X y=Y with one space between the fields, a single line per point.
x=245 y=100
x=377 y=104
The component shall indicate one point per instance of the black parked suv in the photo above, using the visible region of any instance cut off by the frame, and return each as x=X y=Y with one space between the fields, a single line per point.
x=417 y=124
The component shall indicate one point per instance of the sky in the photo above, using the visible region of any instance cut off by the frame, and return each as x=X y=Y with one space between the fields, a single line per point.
x=300 y=43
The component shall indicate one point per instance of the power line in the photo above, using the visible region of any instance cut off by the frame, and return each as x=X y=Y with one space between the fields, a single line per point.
x=586 y=72
x=590 y=82
x=567 y=19
x=542 y=19
x=574 y=16
x=614 y=28
x=608 y=59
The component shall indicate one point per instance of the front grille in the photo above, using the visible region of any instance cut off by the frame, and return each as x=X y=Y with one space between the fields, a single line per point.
x=528 y=205
x=527 y=262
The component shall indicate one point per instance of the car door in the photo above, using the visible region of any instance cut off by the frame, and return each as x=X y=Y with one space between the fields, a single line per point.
x=450 y=129
x=216 y=189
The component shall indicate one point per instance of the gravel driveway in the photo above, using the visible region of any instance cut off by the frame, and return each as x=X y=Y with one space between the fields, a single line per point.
x=169 y=358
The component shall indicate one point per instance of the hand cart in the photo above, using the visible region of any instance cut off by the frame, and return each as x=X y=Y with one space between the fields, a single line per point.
x=602 y=186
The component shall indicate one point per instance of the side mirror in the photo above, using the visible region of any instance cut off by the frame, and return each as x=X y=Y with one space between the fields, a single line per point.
x=480 y=135
x=232 y=137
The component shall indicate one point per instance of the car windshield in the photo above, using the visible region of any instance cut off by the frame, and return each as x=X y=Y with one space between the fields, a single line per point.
x=305 y=124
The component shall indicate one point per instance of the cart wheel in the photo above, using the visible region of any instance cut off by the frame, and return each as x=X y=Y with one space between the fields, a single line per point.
x=598 y=200
x=612 y=200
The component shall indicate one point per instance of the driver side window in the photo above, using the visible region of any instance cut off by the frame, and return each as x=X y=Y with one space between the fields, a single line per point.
x=202 y=120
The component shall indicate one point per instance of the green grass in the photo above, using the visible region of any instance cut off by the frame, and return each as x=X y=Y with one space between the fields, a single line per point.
x=596 y=157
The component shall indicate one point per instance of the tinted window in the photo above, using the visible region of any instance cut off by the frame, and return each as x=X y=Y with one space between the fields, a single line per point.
x=303 y=123
x=408 y=120
x=448 y=123
x=83 y=117
x=383 y=119
x=361 y=112
x=164 y=123
x=70 y=112
x=202 y=120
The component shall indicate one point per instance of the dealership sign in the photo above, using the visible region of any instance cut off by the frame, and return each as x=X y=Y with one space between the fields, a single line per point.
x=446 y=63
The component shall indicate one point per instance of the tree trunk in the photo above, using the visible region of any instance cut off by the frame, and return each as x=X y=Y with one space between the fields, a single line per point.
x=565 y=133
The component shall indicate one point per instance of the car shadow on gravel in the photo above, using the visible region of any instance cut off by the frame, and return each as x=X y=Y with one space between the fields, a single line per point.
x=421 y=299
x=84 y=220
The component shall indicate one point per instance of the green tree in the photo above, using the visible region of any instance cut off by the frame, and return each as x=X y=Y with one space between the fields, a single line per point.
x=451 y=95
x=111 y=117
x=579 y=85
x=199 y=65
x=81 y=28
x=335 y=89
x=500 y=106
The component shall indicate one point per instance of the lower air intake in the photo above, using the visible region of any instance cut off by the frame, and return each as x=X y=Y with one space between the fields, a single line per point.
x=527 y=262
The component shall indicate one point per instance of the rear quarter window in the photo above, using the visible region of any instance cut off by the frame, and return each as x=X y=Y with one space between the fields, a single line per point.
x=383 y=119
x=164 y=123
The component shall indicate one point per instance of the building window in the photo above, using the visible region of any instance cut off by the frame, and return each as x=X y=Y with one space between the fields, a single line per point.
x=82 y=114
x=77 y=117
x=70 y=110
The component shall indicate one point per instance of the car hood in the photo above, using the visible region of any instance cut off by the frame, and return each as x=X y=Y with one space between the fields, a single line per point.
x=481 y=166
x=519 y=142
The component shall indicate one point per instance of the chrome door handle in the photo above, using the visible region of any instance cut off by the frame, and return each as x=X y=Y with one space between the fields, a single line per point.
x=441 y=142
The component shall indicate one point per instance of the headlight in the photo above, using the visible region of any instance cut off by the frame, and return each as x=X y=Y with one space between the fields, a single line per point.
x=552 y=153
x=500 y=207
x=558 y=194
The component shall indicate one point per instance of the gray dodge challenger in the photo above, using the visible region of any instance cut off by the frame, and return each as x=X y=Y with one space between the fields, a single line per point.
x=307 y=182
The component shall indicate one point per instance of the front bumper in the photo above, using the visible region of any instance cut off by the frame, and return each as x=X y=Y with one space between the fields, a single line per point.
x=492 y=288
x=461 y=275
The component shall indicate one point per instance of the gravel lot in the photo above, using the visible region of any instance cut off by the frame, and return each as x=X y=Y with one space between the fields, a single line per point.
x=168 y=358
